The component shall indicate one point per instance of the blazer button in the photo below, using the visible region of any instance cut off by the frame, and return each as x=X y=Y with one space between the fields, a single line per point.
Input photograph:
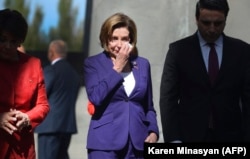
x=126 y=99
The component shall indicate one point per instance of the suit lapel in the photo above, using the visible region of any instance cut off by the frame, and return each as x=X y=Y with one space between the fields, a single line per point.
x=136 y=73
x=227 y=54
x=199 y=58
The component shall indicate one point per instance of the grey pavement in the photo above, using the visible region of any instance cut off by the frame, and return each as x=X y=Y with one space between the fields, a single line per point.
x=77 y=149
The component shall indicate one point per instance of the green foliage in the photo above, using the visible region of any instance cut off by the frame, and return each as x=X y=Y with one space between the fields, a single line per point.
x=66 y=29
x=36 y=39
x=18 y=5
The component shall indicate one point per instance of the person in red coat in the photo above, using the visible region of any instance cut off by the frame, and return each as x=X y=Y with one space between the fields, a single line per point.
x=23 y=101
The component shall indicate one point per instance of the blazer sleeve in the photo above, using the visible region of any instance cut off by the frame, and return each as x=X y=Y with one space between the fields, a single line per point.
x=246 y=95
x=40 y=106
x=151 y=113
x=99 y=84
x=169 y=96
x=49 y=78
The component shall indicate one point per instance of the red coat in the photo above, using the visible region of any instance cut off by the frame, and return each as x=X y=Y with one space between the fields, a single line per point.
x=22 y=88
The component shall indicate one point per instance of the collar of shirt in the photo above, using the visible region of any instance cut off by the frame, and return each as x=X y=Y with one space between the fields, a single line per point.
x=56 y=60
x=205 y=49
x=218 y=42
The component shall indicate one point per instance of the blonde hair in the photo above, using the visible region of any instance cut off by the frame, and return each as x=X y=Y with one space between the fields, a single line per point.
x=115 y=21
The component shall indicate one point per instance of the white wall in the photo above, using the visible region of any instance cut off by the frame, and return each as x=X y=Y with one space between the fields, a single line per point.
x=160 y=22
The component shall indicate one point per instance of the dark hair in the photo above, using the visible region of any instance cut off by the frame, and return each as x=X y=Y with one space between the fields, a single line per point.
x=219 y=5
x=14 y=23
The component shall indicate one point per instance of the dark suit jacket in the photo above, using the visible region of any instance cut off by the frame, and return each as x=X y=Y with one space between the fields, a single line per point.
x=117 y=115
x=186 y=95
x=62 y=85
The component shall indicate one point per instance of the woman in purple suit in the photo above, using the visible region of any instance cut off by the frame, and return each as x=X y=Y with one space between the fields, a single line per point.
x=118 y=83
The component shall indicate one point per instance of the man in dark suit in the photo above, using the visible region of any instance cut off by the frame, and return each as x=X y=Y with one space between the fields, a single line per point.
x=196 y=106
x=62 y=86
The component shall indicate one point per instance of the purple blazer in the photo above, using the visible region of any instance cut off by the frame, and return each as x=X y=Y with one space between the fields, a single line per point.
x=118 y=116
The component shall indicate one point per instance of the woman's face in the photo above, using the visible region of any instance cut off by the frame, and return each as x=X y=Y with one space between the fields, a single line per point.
x=119 y=38
x=8 y=47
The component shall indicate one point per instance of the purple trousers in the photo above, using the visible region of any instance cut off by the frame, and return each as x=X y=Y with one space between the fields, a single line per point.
x=128 y=152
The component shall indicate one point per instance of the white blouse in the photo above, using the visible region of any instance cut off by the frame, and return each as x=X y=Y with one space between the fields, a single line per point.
x=129 y=82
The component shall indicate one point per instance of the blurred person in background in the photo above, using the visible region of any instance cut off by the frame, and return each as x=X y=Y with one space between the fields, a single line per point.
x=62 y=85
